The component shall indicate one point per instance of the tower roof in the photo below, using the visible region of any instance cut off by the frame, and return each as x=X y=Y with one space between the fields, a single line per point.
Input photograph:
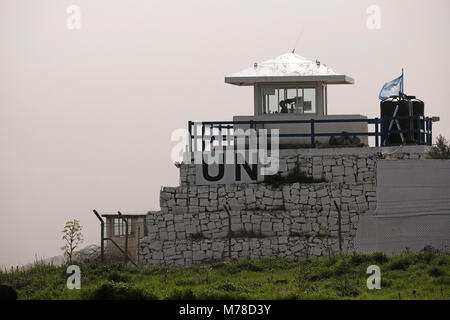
x=288 y=67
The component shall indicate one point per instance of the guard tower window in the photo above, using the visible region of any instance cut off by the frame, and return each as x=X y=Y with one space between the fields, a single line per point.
x=119 y=227
x=288 y=100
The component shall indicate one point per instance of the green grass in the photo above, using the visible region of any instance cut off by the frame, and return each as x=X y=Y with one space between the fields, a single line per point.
x=406 y=276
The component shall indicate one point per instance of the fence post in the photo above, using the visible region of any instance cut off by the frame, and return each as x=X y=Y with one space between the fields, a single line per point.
x=431 y=131
x=419 y=135
x=313 y=143
x=138 y=243
x=203 y=137
x=220 y=136
x=339 y=228
x=385 y=132
x=377 y=144
x=126 y=234
x=102 y=236
x=190 y=136
x=229 y=229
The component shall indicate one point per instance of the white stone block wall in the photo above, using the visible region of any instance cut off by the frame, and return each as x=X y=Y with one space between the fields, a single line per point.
x=334 y=165
x=295 y=220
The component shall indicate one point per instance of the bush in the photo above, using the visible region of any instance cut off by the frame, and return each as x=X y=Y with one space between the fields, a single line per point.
x=295 y=175
x=120 y=291
x=117 y=276
x=357 y=259
x=377 y=258
x=263 y=264
x=385 y=283
x=341 y=267
x=227 y=286
x=187 y=282
x=436 y=272
x=198 y=236
x=245 y=265
x=346 y=288
x=442 y=260
x=213 y=294
x=441 y=150
x=323 y=273
x=401 y=262
x=7 y=293
x=181 y=294
x=442 y=281
x=103 y=270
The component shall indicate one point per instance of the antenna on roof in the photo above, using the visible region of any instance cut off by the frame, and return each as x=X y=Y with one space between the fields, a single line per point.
x=298 y=38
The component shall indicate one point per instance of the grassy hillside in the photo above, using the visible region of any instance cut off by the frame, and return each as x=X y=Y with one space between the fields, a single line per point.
x=407 y=276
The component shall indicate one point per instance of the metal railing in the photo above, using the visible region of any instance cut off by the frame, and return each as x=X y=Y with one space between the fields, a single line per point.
x=223 y=131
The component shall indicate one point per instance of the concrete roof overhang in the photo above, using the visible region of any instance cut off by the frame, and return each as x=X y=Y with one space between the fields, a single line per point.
x=250 y=81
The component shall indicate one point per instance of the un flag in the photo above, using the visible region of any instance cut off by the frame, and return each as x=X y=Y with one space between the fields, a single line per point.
x=392 y=88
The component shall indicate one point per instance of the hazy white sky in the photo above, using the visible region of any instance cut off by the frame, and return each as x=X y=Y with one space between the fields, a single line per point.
x=86 y=115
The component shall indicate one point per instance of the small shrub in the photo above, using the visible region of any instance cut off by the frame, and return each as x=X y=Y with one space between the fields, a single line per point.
x=356 y=259
x=315 y=277
x=288 y=296
x=198 y=236
x=248 y=265
x=379 y=258
x=331 y=259
x=341 y=267
x=442 y=260
x=385 y=283
x=436 y=272
x=293 y=176
x=227 y=286
x=186 y=282
x=346 y=288
x=441 y=150
x=181 y=294
x=117 y=276
x=258 y=265
x=245 y=234
x=213 y=294
x=7 y=293
x=400 y=263
x=120 y=291
x=442 y=281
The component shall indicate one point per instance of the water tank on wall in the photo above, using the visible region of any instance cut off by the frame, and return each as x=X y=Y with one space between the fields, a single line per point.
x=406 y=106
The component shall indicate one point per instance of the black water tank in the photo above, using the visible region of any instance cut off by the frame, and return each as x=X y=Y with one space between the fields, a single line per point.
x=418 y=110
x=407 y=106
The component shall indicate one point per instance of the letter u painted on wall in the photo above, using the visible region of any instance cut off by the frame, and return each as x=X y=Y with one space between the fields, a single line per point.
x=227 y=173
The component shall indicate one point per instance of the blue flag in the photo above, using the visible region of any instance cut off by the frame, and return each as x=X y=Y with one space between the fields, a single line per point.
x=392 y=88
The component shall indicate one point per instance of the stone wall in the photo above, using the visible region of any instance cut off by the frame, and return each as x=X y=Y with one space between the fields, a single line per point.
x=295 y=220
x=334 y=165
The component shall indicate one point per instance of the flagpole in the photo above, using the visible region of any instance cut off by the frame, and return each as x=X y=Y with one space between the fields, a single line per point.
x=403 y=83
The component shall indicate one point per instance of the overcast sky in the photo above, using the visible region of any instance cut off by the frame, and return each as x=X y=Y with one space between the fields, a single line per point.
x=86 y=115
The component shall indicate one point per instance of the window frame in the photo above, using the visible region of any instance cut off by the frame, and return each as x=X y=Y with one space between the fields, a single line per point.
x=118 y=227
x=277 y=87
